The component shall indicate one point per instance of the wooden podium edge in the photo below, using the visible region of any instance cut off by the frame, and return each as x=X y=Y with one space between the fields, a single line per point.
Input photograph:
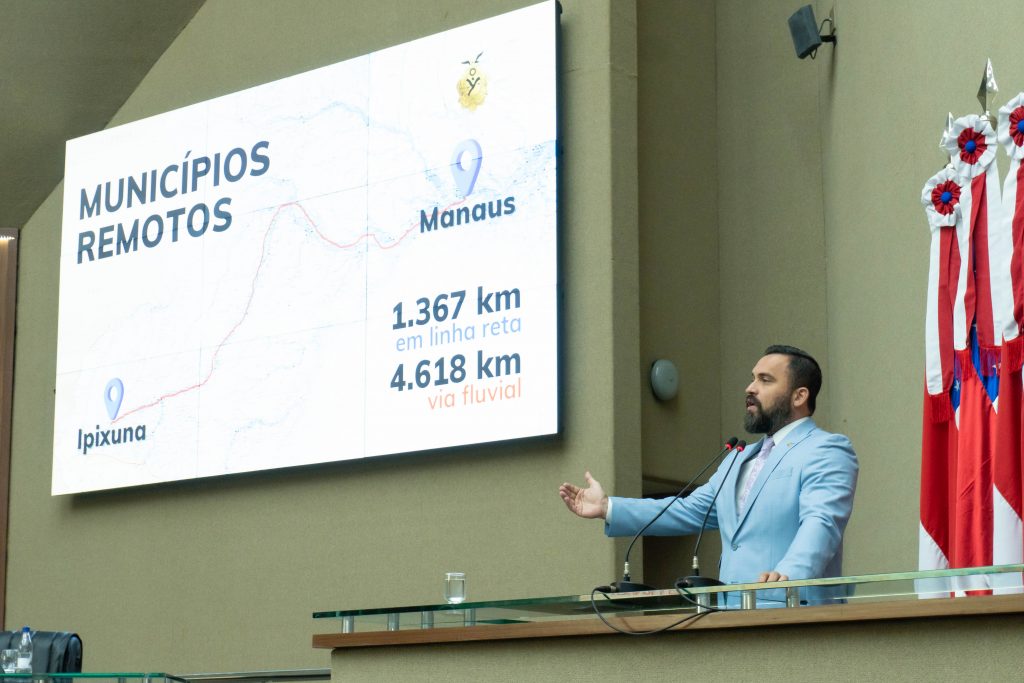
x=827 y=614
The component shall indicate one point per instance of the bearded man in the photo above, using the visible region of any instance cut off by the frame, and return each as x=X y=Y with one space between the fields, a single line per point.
x=784 y=501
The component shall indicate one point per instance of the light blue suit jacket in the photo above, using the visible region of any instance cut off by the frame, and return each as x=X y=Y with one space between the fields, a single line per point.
x=794 y=518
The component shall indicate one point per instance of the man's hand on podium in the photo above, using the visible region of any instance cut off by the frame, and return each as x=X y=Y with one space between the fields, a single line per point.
x=590 y=503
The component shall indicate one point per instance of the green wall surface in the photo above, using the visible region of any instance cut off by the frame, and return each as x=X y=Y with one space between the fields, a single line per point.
x=717 y=195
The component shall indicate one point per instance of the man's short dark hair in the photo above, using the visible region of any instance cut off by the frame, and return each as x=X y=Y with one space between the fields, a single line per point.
x=804 y=371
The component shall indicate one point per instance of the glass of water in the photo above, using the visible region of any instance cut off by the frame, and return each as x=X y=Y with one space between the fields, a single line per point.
x=455 y=587
x=9 y=661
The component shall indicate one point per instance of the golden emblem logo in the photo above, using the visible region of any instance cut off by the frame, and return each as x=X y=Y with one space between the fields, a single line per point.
x=472 y=85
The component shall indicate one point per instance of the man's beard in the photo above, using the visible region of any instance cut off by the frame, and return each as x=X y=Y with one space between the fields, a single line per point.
x=768 y=421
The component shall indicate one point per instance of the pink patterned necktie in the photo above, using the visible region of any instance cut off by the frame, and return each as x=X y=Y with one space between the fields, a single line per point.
x=755 y=469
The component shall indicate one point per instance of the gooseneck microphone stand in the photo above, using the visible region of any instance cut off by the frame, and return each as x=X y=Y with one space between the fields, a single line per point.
x=627 y=585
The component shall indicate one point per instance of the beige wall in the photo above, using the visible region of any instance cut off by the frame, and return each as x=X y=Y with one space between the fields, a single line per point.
x=898 y=651
x=820 y=240
x=772 y=274
x=679 y=253
x=718 y=195
x=678 y=188
x=821 y=165
x=883 y=99
x=223 y=574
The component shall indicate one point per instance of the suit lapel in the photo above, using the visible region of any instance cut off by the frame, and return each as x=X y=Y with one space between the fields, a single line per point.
x=777 y=455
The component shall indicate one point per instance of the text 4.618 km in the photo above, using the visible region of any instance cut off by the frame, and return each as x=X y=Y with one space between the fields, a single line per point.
x=443 y=372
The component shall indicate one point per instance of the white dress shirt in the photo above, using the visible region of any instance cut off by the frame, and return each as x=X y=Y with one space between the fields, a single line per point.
x=777 y=437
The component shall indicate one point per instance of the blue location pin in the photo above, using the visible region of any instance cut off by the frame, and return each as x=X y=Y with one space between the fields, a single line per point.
x=112 y=396
x=466 y=160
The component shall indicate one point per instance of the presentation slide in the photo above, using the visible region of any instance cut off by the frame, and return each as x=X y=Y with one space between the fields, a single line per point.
x=355 y=261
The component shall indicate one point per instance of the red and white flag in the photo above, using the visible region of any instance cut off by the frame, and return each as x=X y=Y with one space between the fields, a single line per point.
x=1007 y=479
x=958 y=490
x=972 y=146
x=941 y=199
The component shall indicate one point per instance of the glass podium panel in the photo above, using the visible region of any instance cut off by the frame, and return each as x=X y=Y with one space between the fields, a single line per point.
x=889 y=587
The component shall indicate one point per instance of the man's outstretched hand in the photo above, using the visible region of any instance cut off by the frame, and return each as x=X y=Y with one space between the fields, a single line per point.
x=591 y=502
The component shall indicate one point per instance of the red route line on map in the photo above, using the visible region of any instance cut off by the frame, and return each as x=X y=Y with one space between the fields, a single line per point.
x=252 y=291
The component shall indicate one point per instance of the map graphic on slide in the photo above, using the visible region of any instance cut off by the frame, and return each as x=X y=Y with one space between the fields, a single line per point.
x=355 y=261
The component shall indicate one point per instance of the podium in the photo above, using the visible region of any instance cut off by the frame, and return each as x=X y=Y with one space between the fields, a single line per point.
x=907 y=625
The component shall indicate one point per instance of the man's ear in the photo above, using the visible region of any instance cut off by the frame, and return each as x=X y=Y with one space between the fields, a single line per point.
x=799 y=397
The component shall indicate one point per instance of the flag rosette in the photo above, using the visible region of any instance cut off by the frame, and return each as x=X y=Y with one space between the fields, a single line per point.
x=1011 y=127
x=941 y=198
x=971 y=145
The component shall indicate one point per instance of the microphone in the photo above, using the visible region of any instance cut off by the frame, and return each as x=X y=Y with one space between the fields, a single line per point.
x=627 y=585
x=696 y=580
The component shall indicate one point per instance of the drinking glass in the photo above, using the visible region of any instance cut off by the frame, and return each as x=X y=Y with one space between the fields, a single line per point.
x=9 y=661
x=455 y=587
